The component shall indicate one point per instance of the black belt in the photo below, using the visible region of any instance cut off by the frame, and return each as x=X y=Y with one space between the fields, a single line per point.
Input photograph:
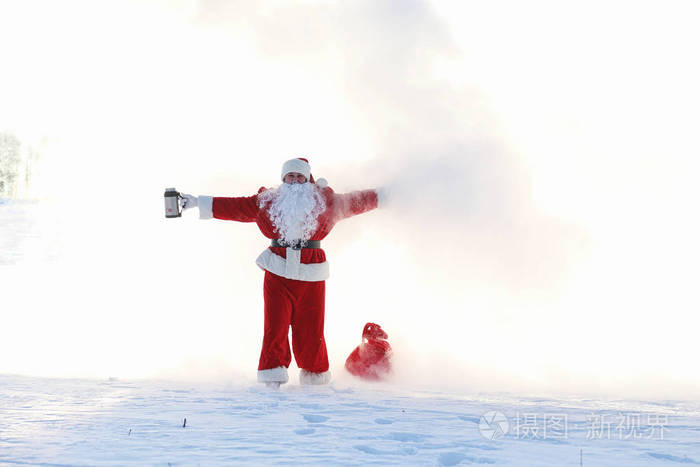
x=296 y=244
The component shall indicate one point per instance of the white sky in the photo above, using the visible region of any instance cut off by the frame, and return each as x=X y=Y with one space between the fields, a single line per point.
x=542 y=158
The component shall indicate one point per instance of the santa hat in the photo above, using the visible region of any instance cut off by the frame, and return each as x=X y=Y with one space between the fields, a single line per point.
x=301 y=165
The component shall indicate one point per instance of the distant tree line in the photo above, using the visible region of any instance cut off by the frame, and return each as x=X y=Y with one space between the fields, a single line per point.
x=14 y=168
x=10 y=158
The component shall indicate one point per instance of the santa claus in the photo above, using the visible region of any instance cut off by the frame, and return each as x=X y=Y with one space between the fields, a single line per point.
x=295 y=216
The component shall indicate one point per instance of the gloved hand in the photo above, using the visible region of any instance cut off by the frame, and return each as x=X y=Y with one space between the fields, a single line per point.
x=383 y=196
x=188 y=201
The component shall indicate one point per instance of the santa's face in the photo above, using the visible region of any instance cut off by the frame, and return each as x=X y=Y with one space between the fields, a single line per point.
x=293 y=209
x=294 y=177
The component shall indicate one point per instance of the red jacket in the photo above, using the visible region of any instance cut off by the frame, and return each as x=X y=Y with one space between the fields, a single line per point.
x=338 y=207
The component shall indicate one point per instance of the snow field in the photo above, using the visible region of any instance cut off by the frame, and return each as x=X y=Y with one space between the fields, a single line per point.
x=88 y=422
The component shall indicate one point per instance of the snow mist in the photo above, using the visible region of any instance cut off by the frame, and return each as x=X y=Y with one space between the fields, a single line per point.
x=538 y=235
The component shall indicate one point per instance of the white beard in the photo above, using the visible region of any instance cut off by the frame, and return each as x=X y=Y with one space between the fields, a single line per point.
x=294 y=209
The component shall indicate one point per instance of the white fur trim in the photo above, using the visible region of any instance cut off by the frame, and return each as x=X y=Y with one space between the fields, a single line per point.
x=205 y=207
x=292 y=263
x=309 y=377
x=315 y=272
x=322 y=183
x=296 y=165
x=383 y=196
x=273 y=375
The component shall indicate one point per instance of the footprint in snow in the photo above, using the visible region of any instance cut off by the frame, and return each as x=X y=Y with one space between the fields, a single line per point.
x=669 y=457
x=451 y=458
x=403 y=451
x=304 y=431
x=467 y=418
x=383 y=421
x=404 y=437
x=454 y=458
x=311 y=406
x=314 y=418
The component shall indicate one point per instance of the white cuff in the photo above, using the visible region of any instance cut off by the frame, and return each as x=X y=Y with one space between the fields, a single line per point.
x=205 y=207
x=313 y=272
x=383 y=195
x=309 y=377
x=273 y=375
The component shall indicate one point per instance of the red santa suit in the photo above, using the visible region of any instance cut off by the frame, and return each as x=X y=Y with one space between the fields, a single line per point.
x=294 y=286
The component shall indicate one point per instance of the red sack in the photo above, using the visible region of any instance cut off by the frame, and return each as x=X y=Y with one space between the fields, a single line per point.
x=372 y=358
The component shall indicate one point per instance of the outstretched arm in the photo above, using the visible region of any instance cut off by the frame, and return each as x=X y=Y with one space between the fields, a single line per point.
x=242 y=209
x=354 y=203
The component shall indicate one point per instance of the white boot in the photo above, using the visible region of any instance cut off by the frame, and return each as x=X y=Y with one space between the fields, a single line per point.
x=273 y=375
x=309 y=377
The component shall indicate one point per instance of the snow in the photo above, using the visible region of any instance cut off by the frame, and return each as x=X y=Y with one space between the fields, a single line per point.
x=235 y=420
x=114 y=422
x=25 y=232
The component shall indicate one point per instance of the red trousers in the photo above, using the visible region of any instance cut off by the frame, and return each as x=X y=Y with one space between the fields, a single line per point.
x=299 y=304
